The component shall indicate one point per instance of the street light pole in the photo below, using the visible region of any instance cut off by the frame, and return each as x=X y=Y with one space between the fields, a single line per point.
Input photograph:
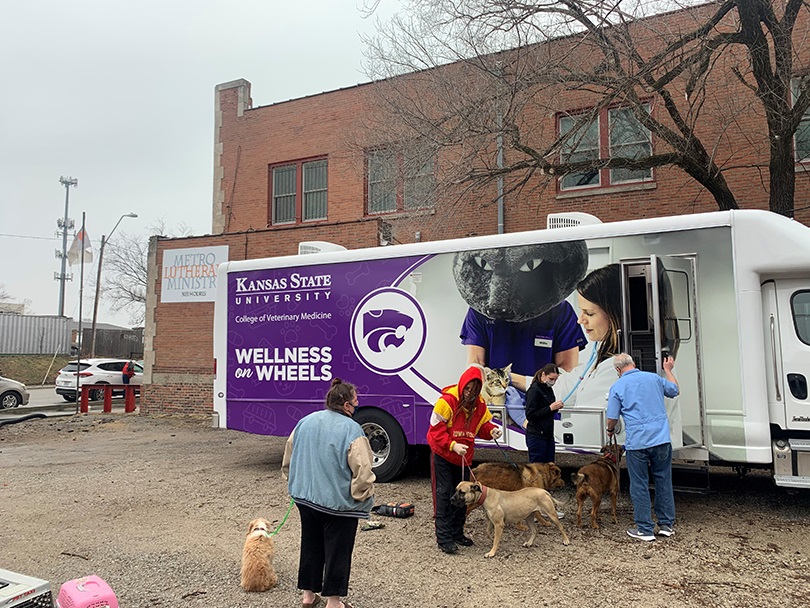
x=98 y=281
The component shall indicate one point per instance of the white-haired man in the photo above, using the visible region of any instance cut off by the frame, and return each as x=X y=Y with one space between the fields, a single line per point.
x=638 y=397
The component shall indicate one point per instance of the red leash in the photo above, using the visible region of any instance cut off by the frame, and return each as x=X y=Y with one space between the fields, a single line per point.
x=463 y=465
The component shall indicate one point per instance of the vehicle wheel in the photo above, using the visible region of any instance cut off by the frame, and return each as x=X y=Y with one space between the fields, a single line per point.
x=68 y=398
x=96 y=394
x=387 y=441
x=10 y=399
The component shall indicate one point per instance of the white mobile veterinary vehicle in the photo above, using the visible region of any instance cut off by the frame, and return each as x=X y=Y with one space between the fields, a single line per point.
x=727 y=292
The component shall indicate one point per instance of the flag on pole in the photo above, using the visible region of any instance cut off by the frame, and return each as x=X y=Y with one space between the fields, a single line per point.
x=74 y=254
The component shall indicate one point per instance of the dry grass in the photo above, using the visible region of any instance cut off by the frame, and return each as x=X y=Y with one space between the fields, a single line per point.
x=33 y=370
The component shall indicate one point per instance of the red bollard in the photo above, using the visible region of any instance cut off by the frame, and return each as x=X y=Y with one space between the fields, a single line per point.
x=108 y=398
x=84 y=405
x=129 y=399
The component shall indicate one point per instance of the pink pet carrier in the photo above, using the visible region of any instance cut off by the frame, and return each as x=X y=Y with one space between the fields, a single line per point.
x=86 y=592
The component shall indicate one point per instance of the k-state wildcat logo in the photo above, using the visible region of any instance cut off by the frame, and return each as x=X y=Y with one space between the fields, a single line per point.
x=383 y=329
x=388 y=330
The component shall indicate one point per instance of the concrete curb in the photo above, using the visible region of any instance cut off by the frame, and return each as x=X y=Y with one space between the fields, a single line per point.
x=60 y=409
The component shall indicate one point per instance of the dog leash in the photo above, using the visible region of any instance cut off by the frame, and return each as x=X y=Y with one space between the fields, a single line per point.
x=463 y=465
x=506 y=453
x=617 y=455
x=289 y=508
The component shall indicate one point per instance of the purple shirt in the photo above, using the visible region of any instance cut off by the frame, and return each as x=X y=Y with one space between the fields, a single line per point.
x=527 y=345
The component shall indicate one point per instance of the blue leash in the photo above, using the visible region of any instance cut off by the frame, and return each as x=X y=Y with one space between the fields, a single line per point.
x=584 y=372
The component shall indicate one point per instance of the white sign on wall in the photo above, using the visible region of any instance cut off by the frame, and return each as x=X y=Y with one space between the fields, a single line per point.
x=190 y=275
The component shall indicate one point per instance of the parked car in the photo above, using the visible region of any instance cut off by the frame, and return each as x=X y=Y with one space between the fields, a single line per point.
x=12 y=393
x=93 y=371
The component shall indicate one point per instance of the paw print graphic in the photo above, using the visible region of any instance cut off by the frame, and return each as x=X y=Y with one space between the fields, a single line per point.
x=289 y=332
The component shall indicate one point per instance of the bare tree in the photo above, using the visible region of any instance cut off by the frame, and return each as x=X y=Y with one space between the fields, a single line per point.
x=5 y=296
x=125 y=283
x=469 y=74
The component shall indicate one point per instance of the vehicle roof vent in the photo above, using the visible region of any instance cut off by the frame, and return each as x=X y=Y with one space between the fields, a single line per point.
x=573 y=218
x=318 y=247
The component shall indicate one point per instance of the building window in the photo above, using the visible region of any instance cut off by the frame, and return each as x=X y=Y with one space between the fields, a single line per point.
x=419 y=183
x=401 y=180
x=581 y=145
x=382 y=181
x=314 y=188
x=298 y=190
x=801 y=139
x=615 y=132
x=628 y=139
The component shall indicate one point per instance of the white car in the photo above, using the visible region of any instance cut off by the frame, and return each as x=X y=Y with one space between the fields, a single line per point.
x=93 y=371
x=12 y=393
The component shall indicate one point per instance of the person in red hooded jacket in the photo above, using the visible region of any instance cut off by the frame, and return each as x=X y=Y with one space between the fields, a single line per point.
x=459 y=416
x=128 y=371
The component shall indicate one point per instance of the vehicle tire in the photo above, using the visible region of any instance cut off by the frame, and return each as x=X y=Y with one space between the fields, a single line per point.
x=96 y=394
x=10 y=399
x=68 y=398
x=388 y=444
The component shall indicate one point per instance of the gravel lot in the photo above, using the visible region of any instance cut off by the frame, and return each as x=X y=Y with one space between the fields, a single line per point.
x=159 y=507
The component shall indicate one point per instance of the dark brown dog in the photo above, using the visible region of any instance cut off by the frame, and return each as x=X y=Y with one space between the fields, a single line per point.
x=509 y=477
x=596 y=478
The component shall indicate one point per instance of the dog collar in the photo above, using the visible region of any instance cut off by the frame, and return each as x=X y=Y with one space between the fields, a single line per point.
x=610 y=456
x=483 y=496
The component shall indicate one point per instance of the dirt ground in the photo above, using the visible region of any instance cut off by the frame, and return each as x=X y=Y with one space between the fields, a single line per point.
x=159 y=508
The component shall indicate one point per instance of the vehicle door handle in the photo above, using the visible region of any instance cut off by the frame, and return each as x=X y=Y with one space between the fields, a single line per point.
x=798 y=386
x=773 y=356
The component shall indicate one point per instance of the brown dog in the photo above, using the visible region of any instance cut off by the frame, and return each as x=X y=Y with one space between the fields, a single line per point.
x=257 y=558
x=596 y=478
x=509 y=477
x=504 y=508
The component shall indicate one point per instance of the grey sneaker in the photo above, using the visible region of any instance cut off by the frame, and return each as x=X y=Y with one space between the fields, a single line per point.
x=665 y=530
x=560 y=514
x=634 y=533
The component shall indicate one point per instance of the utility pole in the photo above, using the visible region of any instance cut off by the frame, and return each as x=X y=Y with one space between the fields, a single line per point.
x=98 y=281
x=65 y=224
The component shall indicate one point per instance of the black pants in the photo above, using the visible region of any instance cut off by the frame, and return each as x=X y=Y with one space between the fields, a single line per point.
x=327 y=542
x=540 y=448
x=449 y=520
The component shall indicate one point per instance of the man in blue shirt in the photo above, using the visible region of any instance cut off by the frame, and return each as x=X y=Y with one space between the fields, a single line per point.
x=638 y=397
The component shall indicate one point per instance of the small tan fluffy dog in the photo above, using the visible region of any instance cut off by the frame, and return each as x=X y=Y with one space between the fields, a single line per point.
x=257 y=558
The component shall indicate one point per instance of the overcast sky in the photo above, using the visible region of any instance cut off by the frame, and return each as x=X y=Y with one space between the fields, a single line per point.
x=120 y=95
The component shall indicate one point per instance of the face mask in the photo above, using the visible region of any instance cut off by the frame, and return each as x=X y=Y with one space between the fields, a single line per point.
x=550 y=382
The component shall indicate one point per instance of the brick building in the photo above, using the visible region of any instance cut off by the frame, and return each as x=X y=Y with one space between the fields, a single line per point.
x=326 y=168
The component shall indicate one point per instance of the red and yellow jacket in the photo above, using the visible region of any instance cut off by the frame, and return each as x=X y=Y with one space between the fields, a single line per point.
x=449 y=424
